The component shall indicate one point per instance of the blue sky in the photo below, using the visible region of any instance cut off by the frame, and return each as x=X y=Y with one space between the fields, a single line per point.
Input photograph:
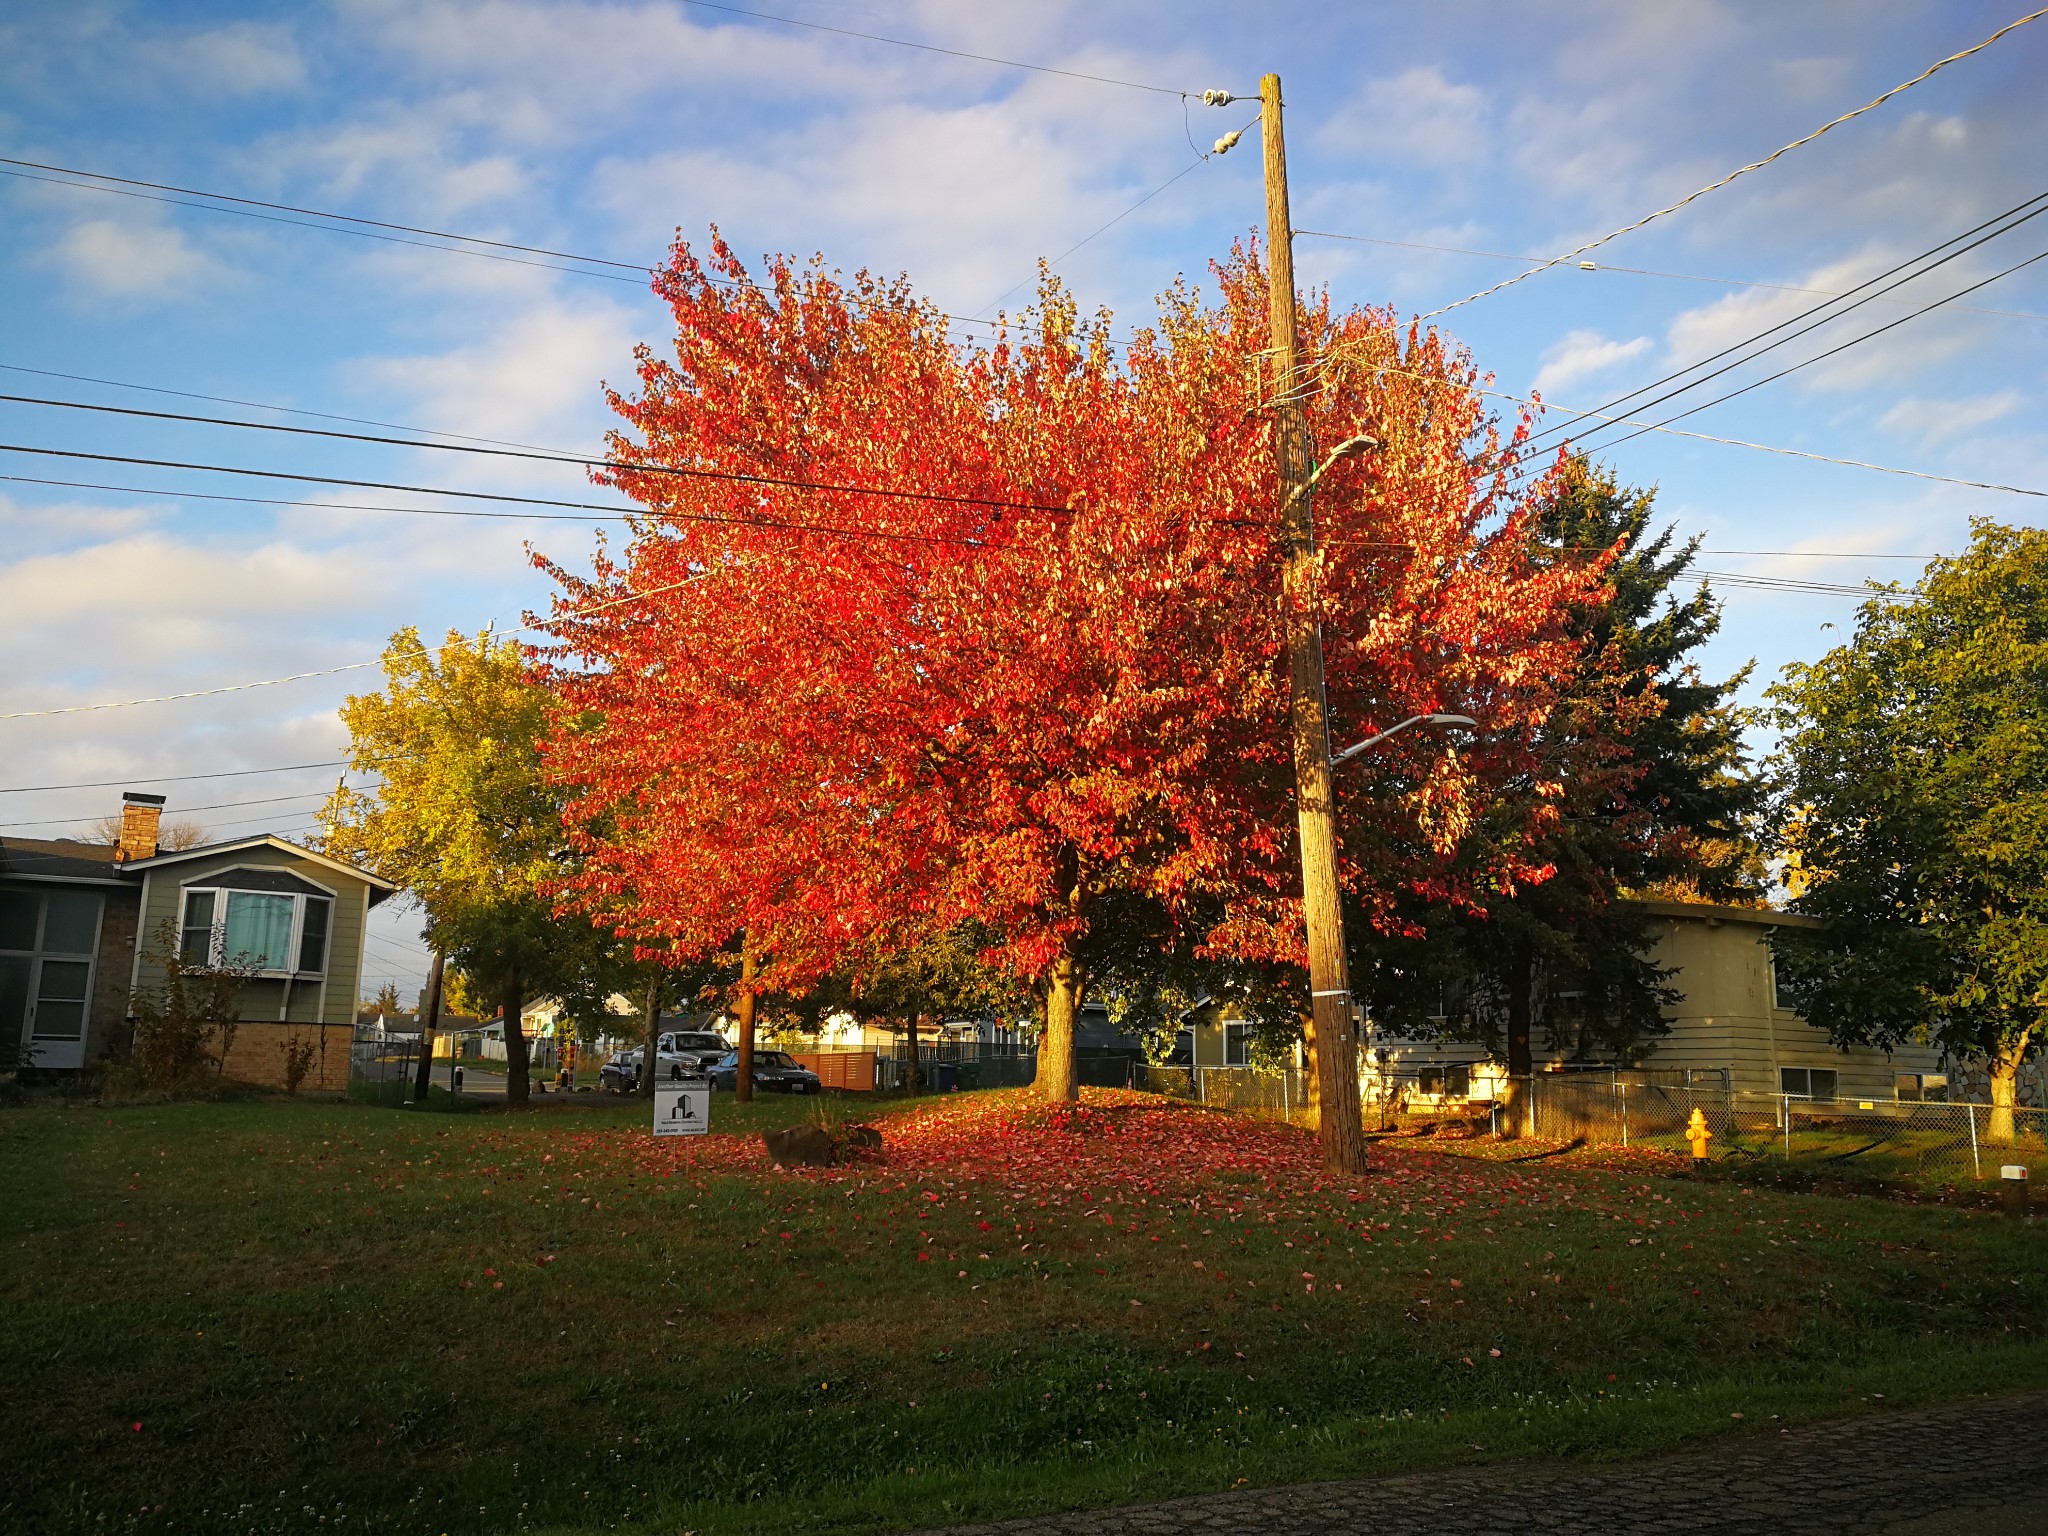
x=600 y=129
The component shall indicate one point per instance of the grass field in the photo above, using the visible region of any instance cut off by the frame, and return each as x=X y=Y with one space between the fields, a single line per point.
x=301 y=1316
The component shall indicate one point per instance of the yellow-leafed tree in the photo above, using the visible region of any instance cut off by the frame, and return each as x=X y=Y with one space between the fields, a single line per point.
x=463 y=820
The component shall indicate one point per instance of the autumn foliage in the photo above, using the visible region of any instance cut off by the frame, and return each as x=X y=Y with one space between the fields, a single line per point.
x=952 y=632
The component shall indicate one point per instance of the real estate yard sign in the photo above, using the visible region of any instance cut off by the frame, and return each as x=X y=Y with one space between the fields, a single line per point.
x=682 y=1109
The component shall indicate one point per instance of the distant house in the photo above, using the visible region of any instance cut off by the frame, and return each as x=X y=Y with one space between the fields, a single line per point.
x=81 y=927
x=1730 y=1015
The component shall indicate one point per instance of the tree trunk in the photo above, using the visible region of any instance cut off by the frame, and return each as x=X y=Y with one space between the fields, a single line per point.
x=430 y=1021
x=2004 y=1068
x=743 y=1076
x=1312 y=1085
x=913 y=1075
x=1056 y=1080
x=651 y=1033
x=1521 y=1057
x=515 y=1040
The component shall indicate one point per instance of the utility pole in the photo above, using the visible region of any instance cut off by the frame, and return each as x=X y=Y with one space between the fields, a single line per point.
x=430 y=1020
x=1335 y=1039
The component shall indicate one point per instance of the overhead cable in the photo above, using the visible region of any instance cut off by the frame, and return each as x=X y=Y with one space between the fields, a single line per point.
x=2008 y=220
x=951 y=53
x=1682 y=277
x=165 y=778
x=348 y=224
x=542 y=456
x=1832 y=351
x=1743 y=170
x=825 y=530
x=353 y=666
x=331 y=506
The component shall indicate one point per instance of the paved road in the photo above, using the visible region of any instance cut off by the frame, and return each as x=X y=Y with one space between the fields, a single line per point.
x=1970 y=1469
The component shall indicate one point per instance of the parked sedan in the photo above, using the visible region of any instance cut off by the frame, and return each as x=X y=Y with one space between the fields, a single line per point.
x=774 y=1072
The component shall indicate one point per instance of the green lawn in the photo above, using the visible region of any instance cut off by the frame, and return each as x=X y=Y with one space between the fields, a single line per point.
x=299 y=1316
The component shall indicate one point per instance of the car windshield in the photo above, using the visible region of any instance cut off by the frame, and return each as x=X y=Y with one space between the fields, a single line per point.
x=772 y=1059
x=699 y=1043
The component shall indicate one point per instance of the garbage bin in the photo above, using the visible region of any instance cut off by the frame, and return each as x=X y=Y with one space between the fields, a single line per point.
x=944 y=1076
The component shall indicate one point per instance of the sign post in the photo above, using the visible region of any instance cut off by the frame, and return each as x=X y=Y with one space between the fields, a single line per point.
x=682 y=1109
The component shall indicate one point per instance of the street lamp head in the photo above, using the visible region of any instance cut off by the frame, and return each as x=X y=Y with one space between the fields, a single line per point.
x=1453 y=720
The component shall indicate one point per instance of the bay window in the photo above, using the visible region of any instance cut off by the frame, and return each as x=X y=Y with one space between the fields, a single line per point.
x=271 y=922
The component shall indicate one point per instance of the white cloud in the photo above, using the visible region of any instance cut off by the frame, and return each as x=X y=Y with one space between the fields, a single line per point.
x=533 y=378
x=132 y=260
x=1581 y=355
x=245 y=58
x=1937 y=421
x=1417 y=115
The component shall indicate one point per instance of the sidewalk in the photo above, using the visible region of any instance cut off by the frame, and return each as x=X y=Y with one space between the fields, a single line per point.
x=1976 y=1468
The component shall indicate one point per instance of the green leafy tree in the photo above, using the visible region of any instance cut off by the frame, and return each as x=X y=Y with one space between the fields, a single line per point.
x=1658 y=800
x=1913 y=799
x=939 y=976
x=464 y=818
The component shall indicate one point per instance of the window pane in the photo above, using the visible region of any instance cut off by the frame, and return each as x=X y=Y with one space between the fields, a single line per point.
x=1906 y=1087
x=13 y=994
x=60 y=1000
x=59 y=1021
x=1821 y=1082
x=195 y=945
x=64 y=979
x=259 y=930
x=313 y=942
x=18 y=912
x=72 y=922
x=1792 y=1080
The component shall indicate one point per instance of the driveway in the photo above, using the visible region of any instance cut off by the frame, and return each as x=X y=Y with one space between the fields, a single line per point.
x=1977 y=1468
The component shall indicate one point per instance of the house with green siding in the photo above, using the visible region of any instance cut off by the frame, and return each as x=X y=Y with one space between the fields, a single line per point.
x=84 y=929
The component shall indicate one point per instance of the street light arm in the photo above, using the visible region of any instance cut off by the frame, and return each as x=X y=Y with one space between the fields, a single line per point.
x=1372 y=741
x=1350 y=448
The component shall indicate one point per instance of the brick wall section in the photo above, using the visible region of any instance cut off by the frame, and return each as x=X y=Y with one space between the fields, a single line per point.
x=107 y=1029
x=258 y=1054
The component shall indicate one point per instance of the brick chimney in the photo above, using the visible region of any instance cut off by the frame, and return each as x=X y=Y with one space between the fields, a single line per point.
x=140 y=814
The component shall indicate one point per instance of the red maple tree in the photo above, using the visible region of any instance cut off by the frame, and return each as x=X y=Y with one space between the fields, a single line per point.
x=930 y=631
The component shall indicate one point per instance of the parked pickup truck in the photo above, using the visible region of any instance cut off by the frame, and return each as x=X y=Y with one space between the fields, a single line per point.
x=679 y=1054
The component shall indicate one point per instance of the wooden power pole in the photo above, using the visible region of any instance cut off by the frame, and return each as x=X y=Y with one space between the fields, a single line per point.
x=430 y=1021
x=1334 y=1043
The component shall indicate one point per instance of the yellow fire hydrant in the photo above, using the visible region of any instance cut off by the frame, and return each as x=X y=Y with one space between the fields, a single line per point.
x=1697 y=1133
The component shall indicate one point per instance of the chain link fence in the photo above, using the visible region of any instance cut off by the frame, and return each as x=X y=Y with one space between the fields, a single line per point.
x=1901 y=1142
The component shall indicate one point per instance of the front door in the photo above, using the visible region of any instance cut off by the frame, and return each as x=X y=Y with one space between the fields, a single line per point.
x=47 y=942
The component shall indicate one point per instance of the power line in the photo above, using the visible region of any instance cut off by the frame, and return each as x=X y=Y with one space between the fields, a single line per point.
x=259 y=405
x=321 y=213
x=2017 y=215
x=353 y=666
x=826 y=529
x=183 y=810
x=540 y=456
x=167 y=778
x=1736 y=442
x=1063 y=255
x=1683 y=277
x=951 y=53
x=333 y=506
x=346 y=222
x=336 y=229
x=1744 y=170
x=1832 y=351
